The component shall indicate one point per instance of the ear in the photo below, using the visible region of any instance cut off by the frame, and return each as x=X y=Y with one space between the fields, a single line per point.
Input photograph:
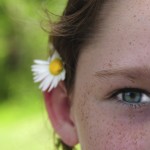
x=58 y=107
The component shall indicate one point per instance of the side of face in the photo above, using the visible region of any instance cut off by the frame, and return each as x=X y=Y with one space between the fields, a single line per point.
x=118 y=59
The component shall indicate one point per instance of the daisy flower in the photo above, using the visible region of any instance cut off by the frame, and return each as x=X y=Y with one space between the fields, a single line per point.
x=49 y=73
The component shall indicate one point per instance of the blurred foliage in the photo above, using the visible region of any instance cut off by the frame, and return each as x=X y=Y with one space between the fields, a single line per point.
x=21 y=40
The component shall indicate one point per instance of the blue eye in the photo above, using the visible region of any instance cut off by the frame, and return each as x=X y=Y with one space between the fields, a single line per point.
x=132 y=96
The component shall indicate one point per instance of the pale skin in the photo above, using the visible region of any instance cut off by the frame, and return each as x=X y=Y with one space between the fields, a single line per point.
x=117 y=57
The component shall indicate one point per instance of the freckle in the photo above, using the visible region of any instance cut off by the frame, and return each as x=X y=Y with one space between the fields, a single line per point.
x=120 y=133
x=88 y=92
x=134 y=16
x=133 y=81
x=130 y=43
x=109 y=65
x=135 y=142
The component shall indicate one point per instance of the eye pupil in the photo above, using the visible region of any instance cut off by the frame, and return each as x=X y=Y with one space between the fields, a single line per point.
x=132 y=97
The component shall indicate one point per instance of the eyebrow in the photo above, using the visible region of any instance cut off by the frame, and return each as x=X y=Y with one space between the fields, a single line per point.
x=132 y=73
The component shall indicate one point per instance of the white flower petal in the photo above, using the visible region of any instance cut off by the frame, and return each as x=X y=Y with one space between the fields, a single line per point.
x=47 y=83
x=40 y=77
x=44 y=85
x=39 y=67
x=40 y=70
x=41 y=62
x=55 y=55
x=55 y=82
x=51 y=86
x=59 y=78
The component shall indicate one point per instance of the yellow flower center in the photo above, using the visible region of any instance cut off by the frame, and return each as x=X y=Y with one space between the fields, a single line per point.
x=56 y=66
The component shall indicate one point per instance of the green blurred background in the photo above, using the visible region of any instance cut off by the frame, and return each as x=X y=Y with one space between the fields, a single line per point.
x=24 y=124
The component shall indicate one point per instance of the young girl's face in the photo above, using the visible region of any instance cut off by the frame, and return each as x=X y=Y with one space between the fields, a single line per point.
x=111 y=100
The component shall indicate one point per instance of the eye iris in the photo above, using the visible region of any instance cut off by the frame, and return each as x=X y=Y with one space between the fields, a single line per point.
x=132 y=97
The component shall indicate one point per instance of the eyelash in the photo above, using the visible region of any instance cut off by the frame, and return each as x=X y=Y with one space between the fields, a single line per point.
x=114 y=94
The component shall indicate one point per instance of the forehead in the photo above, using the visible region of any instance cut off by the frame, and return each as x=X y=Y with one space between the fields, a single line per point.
x=122 y=41
x=122 y=16
x=125 y=29
x=129 y=14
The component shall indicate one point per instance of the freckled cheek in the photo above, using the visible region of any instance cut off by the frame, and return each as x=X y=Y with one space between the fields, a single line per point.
x=104 y=129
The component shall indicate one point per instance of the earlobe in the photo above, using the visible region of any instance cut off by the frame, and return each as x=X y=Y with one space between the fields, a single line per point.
x=58 y=107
